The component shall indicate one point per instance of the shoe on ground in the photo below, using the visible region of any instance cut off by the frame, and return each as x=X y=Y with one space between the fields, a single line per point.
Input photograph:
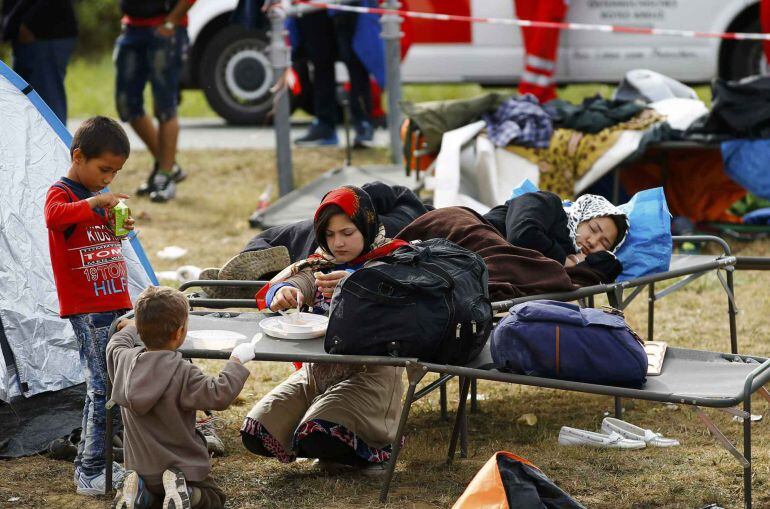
x=175 y=487
x=214 y=444
x=149 y=186
x=318 y=135
x=628 y=430
x=574 y=436
x=374 y=469
x=165 y=188
x=364 y=135
x=132 y=494
x=94 y=484
x=331 y=467
x=62 y=449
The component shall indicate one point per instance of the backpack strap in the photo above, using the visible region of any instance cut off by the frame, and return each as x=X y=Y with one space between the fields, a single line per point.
x=69 y=231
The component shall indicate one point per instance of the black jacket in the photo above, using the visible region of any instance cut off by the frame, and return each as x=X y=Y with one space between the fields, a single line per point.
x=396 y=206
x=46 y=19
x=538 y=221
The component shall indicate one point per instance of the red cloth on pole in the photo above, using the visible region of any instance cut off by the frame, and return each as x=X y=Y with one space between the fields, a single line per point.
x=541 y=46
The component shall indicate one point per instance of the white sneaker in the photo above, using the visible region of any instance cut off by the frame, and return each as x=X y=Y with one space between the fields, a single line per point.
x=574 y=436
x=94 y=484
x=627 y=430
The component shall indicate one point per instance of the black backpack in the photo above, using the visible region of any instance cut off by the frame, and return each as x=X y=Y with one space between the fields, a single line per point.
x=428 y=300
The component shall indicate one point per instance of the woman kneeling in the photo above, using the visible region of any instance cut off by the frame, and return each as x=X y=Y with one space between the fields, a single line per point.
x=340 y=414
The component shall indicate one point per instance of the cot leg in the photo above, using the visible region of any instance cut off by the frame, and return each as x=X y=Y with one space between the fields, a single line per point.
x=747 y=454
x=459 y=418
x=650 y=311
x=108 y=439
x=414 y=373
x=591 y=301
x=732 y=312
x=442 y=402
x=618 y=408
x=474 y=400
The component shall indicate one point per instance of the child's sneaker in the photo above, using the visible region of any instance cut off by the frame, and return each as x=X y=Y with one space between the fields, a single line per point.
x=208 y=428
x=175 y=487
x=94 y=484
x=133 y=494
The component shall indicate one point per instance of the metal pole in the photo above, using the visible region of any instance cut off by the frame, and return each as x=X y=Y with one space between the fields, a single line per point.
x=280 y=59
x=391 y=34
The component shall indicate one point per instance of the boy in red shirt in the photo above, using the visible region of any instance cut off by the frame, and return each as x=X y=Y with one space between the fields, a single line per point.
x=91 y=276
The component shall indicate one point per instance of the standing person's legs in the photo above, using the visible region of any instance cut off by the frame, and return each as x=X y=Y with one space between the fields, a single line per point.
x=166 y=57
x=91 y=331
x=317 y=34
x=360 y=85
x=43 y=64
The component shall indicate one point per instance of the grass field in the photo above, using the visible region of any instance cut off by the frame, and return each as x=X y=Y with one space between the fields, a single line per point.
x=209 y=218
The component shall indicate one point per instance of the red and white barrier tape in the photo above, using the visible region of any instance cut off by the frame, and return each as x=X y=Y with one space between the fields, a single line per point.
x=542 y=24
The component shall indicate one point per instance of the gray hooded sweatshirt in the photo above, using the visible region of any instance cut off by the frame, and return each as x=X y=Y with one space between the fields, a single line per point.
x=158 y=393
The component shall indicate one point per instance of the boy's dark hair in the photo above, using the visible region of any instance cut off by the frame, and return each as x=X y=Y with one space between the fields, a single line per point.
x=98 y=135
x=622 y=226
x=160 y=312
x=322 y=221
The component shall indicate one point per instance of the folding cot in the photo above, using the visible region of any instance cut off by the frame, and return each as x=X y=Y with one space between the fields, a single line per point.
x=727 y=381
x=687 y=267
x=689 y=377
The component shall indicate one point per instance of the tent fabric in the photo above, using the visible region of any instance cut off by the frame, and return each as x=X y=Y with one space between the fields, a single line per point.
x=508 y=481
x=30 y=425
x=40 y=352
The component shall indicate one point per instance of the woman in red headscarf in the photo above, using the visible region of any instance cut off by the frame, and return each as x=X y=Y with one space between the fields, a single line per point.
x=340 y=414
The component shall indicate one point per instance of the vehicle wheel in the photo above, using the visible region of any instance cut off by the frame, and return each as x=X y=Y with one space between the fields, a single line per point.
x=236 y=76
x=745 y=58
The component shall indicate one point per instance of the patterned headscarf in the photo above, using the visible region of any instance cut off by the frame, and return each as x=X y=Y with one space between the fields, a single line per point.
x=588 y=207
x=357 y=205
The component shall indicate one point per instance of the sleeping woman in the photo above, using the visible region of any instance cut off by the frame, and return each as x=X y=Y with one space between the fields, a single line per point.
x=532 y=244
x=588 y=231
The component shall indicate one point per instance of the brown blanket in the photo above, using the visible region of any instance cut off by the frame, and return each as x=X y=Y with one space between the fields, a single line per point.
x=513 y=271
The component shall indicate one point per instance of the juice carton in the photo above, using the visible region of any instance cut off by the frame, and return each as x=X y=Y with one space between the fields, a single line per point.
x=121 y=213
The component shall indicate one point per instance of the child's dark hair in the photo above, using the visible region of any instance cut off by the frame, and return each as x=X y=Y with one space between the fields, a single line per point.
x=98 y=135
x=160 y=312
x=622 y=226
x=322 y=221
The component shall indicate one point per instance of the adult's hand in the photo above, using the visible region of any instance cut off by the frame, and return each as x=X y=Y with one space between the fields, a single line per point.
x=284 y=298
x=328 y=282
x=574 y=259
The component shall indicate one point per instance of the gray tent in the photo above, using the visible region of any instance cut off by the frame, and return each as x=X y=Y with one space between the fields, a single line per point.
x=38 y=350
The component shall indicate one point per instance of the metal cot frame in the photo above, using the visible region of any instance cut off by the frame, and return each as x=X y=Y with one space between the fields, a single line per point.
x=468 y=375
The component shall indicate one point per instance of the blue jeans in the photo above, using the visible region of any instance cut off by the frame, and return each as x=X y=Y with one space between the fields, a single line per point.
x=91 y=331
x=43 y=64
x=142 y=55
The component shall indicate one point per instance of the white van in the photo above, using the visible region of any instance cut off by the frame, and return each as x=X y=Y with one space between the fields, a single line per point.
x=230 y=63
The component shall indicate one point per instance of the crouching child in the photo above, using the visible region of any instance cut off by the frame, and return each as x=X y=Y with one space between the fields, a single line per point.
x=167 y=462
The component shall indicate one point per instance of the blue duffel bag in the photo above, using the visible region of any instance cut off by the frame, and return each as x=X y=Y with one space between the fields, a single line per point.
x=554 y=339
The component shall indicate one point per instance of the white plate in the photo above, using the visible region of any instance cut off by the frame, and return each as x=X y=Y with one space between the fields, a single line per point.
x=212 y=339
x=273 y=326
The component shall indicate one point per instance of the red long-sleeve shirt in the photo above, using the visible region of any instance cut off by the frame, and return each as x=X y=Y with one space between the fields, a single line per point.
x=87 y=258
